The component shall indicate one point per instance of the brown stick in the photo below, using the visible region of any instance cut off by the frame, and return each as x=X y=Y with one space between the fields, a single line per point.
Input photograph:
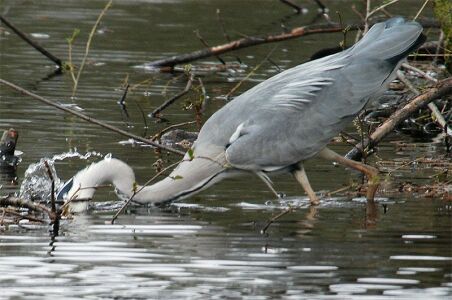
x=17 y=202
x=32 y=43
x=276 y=217
x=435 y=111
x=19 y=215
x=244 y=43
x=89 y=119
x=441 y=89
x=250 y=41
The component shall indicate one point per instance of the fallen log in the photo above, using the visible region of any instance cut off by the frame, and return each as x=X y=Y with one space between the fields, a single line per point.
x=441 y=89
x=258 y=40
x=244 y=43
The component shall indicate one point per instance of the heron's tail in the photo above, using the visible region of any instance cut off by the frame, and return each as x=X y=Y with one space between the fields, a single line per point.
x=392 y=40
x=190 y=177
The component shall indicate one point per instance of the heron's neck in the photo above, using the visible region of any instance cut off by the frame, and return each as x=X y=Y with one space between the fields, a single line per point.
x=105 y=171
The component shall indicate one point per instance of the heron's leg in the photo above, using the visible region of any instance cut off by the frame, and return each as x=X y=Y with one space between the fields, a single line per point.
x=302 y=178
x=371 y=172
x=268 y=182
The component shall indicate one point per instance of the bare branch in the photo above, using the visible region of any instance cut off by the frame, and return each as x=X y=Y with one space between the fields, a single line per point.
x=170 y=101
x=88 y=119
x=441 y=89
x=32 y=43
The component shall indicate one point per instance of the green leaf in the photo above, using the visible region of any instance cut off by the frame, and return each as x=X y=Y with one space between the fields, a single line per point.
x=191 y=153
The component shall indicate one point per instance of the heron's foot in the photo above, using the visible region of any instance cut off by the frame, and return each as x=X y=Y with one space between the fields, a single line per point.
x=314 y=200
x=373 y=184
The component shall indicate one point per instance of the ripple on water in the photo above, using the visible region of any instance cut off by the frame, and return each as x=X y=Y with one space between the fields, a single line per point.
x=376 y=280
x=358 y=288
x=420 y=257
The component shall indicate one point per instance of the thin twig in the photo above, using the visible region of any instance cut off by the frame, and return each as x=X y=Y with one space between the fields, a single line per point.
x=438 y=48
x=32 y=43
x=136 y=192
x=321 y=5
x=420 y=72
x=88 y=45
x=366 y=19
x=368 y=15
x=274 y=218
x=295 y=6
x=88 y=119
x=204 y=42
x=340 y=190
x=170 y=101
x=69 y=65
x=250 y=73
x=420 y=10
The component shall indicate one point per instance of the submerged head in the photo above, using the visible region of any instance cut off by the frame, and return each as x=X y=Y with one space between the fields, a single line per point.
x=81 y=188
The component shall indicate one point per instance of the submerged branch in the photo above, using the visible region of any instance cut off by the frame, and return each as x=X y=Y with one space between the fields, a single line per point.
x=32 y=43
x=89 y=119
x=441 y=89
x=17 y=202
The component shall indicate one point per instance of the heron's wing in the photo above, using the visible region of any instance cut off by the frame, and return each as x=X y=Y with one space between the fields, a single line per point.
x=303 y=117
x=314 y=105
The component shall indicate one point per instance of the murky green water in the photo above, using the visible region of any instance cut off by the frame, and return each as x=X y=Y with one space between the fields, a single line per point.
x=209 y=246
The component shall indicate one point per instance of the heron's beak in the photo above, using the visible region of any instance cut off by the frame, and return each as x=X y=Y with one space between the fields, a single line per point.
x=65 y=189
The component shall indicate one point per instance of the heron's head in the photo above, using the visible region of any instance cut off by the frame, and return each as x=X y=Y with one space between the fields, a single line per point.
x=71 y=194
x=80 y=189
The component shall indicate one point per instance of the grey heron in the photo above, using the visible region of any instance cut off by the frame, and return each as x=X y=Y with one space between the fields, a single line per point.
x=276 y=125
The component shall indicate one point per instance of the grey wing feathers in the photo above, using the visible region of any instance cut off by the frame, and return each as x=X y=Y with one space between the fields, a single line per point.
x=311 y=103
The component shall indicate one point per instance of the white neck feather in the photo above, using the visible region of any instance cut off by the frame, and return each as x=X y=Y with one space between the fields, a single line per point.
x=108 y=170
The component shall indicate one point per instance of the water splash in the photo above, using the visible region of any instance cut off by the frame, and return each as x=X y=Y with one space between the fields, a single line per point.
x=37 y=184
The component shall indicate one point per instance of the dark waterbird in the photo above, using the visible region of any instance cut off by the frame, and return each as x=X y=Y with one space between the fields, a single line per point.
x=276 y=125
x=8 y=142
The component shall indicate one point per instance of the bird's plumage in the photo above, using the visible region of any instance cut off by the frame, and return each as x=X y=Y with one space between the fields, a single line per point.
x=293 y=115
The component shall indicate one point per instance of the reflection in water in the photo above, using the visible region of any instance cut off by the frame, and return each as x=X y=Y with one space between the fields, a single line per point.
x=167 y=256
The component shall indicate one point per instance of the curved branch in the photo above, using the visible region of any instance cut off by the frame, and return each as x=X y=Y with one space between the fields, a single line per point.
x=441 y=89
